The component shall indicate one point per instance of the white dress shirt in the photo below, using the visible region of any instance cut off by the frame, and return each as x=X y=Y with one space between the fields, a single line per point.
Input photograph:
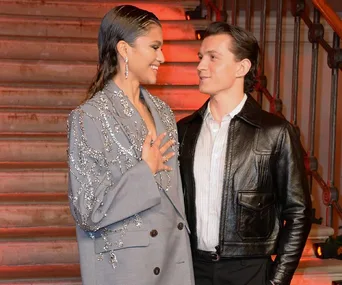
x=209 y=170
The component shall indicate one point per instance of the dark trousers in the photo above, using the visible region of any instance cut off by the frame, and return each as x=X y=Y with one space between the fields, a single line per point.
x=251 y=271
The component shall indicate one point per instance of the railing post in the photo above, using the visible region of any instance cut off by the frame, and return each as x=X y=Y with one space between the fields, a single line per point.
x=248 y=17
x=234 y=12
x=297 y=7
x=315 y=34
x=277 y=107
x=334 y=60
x=262 y=77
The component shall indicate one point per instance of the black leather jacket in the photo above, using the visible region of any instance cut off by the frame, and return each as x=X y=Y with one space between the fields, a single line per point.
x=266 y=205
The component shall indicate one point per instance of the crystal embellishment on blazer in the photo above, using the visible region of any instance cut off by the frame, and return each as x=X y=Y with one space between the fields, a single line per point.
x=91 y=166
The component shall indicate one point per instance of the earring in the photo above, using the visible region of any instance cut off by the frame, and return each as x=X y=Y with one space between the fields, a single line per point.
x=126 y=67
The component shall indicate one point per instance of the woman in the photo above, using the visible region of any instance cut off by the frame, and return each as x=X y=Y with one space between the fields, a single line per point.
x=124 y=187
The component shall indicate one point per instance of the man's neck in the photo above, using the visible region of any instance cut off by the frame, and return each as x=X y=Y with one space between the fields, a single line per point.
x=224 y=103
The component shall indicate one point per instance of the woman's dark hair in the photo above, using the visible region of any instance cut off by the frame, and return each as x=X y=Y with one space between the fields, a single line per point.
x=125 y=23
x=244 y=45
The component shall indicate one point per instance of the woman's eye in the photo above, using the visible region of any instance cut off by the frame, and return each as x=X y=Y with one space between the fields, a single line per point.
x=155 y=47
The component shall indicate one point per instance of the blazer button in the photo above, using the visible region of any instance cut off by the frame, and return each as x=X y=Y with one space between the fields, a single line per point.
x=180 y=226
x=153 y=233
x=156 y=271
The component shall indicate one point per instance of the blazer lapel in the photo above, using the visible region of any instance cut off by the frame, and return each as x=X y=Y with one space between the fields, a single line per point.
x=127 y=117
x=164 y=122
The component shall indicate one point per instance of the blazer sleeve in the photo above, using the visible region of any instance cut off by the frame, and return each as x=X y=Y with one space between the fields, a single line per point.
x=99 y=194
x=295 y=201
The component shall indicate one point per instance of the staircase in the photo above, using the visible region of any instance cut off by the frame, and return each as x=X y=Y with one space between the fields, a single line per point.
x=48 y=56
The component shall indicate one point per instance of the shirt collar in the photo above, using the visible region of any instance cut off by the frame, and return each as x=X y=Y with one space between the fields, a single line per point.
x=232 y=114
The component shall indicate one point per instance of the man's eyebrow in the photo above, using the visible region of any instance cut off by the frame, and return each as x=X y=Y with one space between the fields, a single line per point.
x=210 y=52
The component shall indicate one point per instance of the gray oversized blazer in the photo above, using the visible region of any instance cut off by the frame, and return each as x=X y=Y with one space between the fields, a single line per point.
x=131 y=227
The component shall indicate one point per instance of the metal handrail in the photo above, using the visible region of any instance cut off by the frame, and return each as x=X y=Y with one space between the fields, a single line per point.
x=330 y=15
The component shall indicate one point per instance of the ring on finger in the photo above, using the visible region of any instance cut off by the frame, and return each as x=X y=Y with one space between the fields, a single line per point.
x=165 y=159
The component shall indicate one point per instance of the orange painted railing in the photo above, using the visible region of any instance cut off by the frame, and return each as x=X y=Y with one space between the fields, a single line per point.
x=330 y=15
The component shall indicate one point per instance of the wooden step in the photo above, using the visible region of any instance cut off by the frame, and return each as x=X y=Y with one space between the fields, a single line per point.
x=32 y=215
x=83 y=72
x=41 y=271
x=33 y=150
x=82 y=50
x=62 y=97
x=38 y=252
x=165 y=10
x=85 y=28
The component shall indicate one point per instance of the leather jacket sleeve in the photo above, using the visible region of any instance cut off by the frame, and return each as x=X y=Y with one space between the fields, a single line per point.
x=295 y=206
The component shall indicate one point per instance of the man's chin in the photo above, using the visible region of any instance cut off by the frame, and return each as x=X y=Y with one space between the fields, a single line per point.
x=204 y=90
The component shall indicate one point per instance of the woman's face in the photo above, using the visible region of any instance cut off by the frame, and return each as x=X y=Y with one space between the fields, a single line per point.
x=145 y=57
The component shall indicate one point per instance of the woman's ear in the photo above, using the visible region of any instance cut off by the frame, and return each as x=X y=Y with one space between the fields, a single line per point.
x=244 y=67
x=122 y=49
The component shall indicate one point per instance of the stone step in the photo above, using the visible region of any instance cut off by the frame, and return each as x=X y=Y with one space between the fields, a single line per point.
x=42 y=165
x=45 y=215
x=37 y=233
x=83 y=72
x=40 y=124
x=165 y=10
x=38 y=252
x=33 y=122
x=33 y=197
x=69 y=281
x=33 y=150
x=313 y=271
x=85 y=28
x=30 y=181
x=82 y=50
x=34 y=272
x=54 y=123
x=63 y=97
x=318 y=233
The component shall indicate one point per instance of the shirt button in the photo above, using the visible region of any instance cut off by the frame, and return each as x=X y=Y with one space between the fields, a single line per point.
x=180 y=226
x=153 y=233
x=156 y=271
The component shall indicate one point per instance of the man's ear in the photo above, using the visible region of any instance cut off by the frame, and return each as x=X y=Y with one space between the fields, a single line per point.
x=244 y=67
x=122 y=47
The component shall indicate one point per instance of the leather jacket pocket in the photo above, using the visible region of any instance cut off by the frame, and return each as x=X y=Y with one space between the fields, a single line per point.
x=256 y=215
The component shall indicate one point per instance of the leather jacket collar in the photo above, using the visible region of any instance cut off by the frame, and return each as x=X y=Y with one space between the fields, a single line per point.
x=250 y=113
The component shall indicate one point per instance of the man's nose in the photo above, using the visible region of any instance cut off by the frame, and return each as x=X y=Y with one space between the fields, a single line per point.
x=202 y=65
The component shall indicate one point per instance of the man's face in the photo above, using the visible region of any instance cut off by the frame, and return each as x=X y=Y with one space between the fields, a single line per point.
x=218 y=67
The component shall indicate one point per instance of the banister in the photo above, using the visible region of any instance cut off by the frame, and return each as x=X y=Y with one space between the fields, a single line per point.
x=211 y=5
x=330 y=15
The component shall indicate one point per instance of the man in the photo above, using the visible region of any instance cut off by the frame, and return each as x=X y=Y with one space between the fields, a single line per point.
x=243 y=173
